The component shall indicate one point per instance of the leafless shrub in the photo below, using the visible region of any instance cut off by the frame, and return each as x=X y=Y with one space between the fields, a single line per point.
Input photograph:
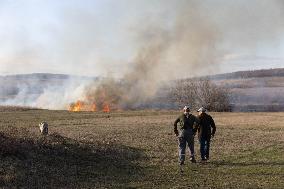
x=201 y=92
x=184 y=92
x=211 y=96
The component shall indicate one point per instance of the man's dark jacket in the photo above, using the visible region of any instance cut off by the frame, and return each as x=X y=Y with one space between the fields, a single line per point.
x=185 y=122
x=206 y=122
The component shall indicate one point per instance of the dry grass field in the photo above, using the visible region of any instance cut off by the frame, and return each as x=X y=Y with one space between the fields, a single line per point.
x=136 y=149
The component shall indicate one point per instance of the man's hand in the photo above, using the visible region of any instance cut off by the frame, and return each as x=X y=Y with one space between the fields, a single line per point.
x=176 y=132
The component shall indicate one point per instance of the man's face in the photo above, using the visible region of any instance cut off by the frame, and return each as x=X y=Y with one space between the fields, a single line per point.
x=186 y=111
x=199 y=113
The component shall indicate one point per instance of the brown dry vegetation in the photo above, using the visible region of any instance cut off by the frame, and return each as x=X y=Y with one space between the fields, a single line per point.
x=15 y=108
x=136 y=149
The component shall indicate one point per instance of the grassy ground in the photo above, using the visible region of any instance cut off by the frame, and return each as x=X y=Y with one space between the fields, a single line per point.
x=136 y=149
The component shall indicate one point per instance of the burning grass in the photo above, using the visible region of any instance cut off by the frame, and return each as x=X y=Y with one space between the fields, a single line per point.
x=16 y=108
x=136 y=149
x=87 y=106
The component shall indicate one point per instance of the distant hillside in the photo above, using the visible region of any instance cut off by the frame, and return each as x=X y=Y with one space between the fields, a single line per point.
x=258 y=90
x=278 y=72
x=24 y=89
x=43 y=76
x=11 y=85
x=36 y=76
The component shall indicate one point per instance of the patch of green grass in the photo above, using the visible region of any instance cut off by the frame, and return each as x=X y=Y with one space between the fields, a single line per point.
x=263 y=168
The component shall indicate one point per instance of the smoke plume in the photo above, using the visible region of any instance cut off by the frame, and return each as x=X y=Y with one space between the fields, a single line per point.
x=178 y=39
x=202 y=34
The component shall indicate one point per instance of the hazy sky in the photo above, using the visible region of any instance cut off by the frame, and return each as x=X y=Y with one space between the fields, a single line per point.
x=99 y=37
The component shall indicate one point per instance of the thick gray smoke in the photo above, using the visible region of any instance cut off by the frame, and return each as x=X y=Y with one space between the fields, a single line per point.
x=49 y=91
x=201 y=35
x=185 y=38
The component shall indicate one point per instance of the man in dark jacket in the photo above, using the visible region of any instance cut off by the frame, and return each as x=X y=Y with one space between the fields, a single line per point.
x=206 y=130
x=187 y=123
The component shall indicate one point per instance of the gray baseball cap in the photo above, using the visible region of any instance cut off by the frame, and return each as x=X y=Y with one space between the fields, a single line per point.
x=201 y=109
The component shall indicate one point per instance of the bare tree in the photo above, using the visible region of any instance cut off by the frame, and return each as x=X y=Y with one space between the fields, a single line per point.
x=200 y=92
x=184 y=93
x=212 y=97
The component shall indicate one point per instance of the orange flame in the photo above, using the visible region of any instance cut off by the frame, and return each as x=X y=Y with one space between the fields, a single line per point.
x=94 y=107
x=76 y=107
x=106 y=108
x=84 y=106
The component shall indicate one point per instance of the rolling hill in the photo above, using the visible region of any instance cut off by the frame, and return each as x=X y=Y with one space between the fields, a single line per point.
x=257 y=90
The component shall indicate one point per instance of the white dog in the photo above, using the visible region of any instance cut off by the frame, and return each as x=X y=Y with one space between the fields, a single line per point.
x=43 y=127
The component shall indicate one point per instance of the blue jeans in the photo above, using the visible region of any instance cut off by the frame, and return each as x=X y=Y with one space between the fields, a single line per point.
x=204 y=148
x=186 y=137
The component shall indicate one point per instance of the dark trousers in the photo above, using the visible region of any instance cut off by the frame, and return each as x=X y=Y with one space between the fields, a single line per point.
x=204 y=148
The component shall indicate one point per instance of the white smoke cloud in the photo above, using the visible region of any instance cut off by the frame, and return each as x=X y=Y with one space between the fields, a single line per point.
x=142 y=42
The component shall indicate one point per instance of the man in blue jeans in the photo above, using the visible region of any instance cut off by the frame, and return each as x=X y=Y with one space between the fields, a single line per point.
x=206 y=131
x=185 y=134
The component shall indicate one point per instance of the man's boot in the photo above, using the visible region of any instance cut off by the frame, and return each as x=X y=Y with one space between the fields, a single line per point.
x=192 y=159
x=207 y=156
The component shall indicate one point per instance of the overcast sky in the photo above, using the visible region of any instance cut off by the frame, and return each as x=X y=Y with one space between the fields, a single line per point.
x=98 y=37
